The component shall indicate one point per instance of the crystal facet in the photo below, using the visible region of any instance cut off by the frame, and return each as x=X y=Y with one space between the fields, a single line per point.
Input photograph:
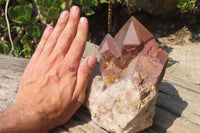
x=132 y=67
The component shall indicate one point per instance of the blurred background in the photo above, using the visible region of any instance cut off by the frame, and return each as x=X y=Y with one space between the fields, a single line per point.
x=22 y=21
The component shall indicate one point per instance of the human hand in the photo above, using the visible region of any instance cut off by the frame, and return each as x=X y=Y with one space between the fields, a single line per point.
x=54 y=83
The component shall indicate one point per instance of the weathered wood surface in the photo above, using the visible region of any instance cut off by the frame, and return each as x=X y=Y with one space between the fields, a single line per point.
x=177 y=108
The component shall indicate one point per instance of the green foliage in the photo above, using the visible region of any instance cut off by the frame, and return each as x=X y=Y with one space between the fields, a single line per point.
x=4 y=48
x=2 y=21
x=187 y=5
x=27 y=24
x=21 y=13
x=27 y=51
x=88 y=5
x=50 y=9
x=25 y=40
x=33 y=31
x=26 y=48
x=103 y=1
x=17 y=52
x=2 y=1
x=24 y=25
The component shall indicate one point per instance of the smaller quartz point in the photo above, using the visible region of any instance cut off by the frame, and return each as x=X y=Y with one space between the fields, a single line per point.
x=123 y=99
x=110 y=59
x=109 y=45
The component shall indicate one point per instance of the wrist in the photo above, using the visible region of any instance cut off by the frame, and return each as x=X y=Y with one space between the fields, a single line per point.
x=19 y=119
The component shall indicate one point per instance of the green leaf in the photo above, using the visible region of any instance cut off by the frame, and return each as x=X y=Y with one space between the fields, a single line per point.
x=39 y=2
x=104 y=1
x=33 y=31
x=50 y=9
x=2 y=21
x=17 y=52
x=90 y=12
x=27 y=51
x=184 y=6
x=57 y=3
x=24 y=40
x=191 y=5
x=63 y=6
x=53 y=13
x=21 y=20
x=4 y=48
x=28 y=9
x=5 y=29
x=94 y=2
x=35 y=19
x=21 y=14
x=79 y=2
x=18 y=28
x=22 y=2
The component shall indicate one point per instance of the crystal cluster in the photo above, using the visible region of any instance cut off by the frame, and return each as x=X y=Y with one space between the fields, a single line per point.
x=132 y=67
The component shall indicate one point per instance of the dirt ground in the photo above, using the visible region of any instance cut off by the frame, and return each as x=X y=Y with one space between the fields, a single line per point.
x=184 y=60
x=180 y=37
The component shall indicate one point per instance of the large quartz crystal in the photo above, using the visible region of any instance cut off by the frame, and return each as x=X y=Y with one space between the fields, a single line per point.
x=132 y=67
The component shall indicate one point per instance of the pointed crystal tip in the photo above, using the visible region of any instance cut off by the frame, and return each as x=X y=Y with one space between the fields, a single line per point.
x=110 y=48
x=133 y=33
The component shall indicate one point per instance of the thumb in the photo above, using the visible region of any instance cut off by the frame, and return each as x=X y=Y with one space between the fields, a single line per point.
x=85 y=71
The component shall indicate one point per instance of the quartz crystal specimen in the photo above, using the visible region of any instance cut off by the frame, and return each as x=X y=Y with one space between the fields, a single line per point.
x=132 y=67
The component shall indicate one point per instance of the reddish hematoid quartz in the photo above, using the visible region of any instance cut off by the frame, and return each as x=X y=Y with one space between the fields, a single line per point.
x=132 y=67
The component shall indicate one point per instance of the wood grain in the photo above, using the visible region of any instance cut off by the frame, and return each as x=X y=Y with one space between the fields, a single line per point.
x=177 y=108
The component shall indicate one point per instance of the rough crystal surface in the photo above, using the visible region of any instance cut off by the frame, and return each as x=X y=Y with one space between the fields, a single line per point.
x=132 y=66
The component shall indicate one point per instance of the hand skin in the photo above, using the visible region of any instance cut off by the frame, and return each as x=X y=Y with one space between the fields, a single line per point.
x=54 y=82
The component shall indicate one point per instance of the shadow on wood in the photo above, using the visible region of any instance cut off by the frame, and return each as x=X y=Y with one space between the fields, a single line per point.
x=169 y=107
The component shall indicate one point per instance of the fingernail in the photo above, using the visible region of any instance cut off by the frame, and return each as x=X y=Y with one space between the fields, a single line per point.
x=92 y=61
x=64 y=14
x=74 y=9
x=48 y=29
x=82 y=19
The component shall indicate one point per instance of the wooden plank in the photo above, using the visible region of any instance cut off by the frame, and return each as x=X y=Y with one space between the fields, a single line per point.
x=14 y=64
x=9 y=82
x=178 y=103
x=58 y=130
x=165 y=121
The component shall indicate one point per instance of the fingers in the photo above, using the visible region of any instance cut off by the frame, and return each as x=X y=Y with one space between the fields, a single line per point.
x=77 y=48
x=62 y=21
x=69 y=32
x=84 y=73
x=74 y=54
x=42 y=43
